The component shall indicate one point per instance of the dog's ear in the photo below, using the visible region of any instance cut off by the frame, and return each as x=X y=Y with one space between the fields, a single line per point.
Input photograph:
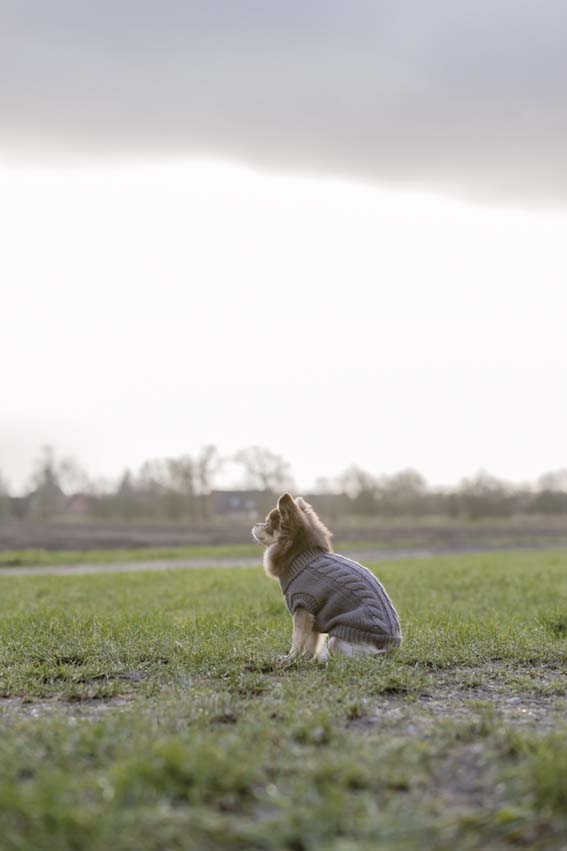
x=302 y=503
x=286 y=505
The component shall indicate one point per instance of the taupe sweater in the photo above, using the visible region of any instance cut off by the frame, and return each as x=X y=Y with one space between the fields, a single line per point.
x=346 y=598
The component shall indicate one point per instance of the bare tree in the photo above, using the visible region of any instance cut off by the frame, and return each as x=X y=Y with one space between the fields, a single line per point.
x=207 y=466
x=126 y=498
x=555 y=480
x=178 y=488
x=324 y=484
x=551 y=496
x=72 y=476
x=102 y=498
x=265 y=470
x=47 y=498
x=403 y=493
x=5 y=508
x=181 y=478
x=484 y=495
x=152 y=488
x=361 y=487
x=153 y=474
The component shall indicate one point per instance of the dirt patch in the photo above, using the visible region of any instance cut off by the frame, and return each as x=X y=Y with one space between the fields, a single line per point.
x=544 y=712
x=540 y=702
x=403 y=719
x=15 y=709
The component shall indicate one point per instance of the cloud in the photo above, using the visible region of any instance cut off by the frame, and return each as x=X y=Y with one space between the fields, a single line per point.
x=459 y=97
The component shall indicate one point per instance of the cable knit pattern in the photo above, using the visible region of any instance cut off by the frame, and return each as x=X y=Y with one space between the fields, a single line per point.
x=346 y=599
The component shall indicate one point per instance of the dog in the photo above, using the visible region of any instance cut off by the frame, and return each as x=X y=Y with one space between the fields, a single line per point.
x=337 y=605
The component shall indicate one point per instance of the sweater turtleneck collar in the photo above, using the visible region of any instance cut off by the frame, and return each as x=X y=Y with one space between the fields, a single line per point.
x=299 y=564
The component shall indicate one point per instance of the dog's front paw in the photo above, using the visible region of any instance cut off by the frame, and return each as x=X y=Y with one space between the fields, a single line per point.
x=285 y=659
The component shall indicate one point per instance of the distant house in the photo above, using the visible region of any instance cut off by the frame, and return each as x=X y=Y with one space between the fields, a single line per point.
x=48 y=500
x=254 y=503
x=244 y=503
x=329 y=505
x=18 y=507
x=79 y=505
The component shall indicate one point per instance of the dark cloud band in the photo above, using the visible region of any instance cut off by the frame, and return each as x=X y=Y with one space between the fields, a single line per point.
x=455 y=96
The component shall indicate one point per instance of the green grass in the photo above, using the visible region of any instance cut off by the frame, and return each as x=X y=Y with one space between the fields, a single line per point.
x=54 y=558
x=145 y=711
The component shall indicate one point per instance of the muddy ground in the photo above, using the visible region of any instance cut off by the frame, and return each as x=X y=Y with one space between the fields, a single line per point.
x=455 y=695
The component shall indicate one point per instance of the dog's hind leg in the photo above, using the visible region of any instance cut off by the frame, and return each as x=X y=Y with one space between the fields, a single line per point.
x=339 y=647
x=322 y=650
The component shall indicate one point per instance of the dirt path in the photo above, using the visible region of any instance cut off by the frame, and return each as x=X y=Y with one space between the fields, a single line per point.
x=189 y=563
x=364 y=556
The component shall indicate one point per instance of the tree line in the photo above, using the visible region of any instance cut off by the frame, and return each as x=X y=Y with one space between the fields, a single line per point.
x=182 y=489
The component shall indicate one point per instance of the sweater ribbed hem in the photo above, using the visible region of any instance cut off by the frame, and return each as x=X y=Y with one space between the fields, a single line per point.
x=362 y=636
x=299 y=564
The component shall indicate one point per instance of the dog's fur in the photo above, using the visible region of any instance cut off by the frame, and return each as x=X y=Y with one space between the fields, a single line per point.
x=290 y=529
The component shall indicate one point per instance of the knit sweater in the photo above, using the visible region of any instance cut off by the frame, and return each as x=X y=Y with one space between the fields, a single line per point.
x=345 y=598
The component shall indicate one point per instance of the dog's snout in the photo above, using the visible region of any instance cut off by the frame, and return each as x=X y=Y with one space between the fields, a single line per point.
x=255 y=529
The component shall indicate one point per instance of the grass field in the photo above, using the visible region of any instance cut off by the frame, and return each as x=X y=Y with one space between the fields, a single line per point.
x=144 y=711
x=34 y=557
x=54 y=558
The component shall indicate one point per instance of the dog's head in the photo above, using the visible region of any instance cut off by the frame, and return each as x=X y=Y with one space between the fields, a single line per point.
x=292 y=524
x=267 y=533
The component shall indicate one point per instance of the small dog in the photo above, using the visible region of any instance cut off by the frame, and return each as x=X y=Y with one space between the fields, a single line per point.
x=326 y=594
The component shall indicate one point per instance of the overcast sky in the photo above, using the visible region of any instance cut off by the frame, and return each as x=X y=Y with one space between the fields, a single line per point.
x=334 y=229
x=447 y=94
